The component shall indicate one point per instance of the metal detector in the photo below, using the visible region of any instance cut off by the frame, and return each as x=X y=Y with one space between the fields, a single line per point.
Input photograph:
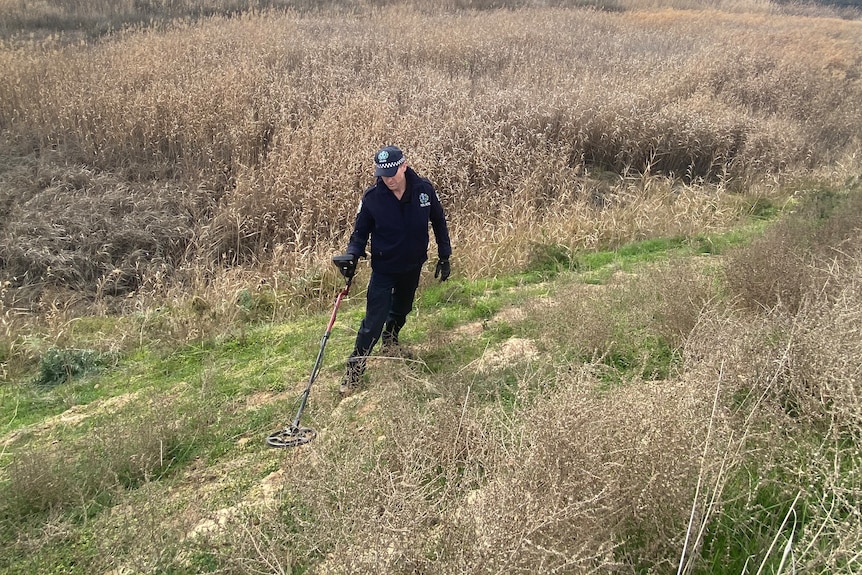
x=294 y=435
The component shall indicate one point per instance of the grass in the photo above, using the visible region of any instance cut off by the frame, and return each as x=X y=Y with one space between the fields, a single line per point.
x=641 y=355
x=195 y=406
x=678 y=137
x=213 y=415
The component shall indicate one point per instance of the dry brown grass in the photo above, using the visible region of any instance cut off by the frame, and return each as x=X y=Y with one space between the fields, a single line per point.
x=795 y=259
x=792 y=385
x=246 y=140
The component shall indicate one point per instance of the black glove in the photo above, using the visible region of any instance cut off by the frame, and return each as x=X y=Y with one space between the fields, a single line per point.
x=346 y=264
x=443 y=270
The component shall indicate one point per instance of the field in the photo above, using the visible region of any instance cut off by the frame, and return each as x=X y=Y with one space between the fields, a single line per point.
x=646 y=361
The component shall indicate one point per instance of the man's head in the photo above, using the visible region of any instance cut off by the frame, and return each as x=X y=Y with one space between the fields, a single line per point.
x=387 y=161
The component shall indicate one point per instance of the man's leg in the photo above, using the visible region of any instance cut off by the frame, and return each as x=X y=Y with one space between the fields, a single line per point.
x=377 y=304
x=379 y=301
x=403 y=295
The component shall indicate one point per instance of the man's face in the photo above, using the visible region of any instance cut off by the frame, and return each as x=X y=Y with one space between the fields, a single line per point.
x=398 y=181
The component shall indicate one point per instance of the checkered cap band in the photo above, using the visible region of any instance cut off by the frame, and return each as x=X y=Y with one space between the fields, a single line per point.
x=391 y=164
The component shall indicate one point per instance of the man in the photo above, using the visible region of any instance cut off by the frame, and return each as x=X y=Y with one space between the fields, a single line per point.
x=395 y=213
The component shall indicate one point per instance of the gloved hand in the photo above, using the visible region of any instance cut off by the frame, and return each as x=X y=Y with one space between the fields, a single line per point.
x=443 y=270
x=346 y=264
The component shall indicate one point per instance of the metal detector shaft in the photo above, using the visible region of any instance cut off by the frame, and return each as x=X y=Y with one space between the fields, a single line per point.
x=314 y=371
x=296 y=435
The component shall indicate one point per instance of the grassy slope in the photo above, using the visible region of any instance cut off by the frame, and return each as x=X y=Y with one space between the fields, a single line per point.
x=564 y=418
x=174 y=441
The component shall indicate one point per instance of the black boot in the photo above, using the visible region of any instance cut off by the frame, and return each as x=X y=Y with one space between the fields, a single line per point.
x=353 y=375
x=390 y=345
x=389 y=341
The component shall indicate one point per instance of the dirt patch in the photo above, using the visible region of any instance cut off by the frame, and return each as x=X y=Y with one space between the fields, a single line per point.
x=469 y=330
x=509 y=315
x=514 y=350
x=75 y=415
x=255 y=400
x=262 y=495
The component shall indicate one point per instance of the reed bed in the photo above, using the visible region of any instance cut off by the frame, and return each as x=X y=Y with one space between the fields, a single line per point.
x=245 y=140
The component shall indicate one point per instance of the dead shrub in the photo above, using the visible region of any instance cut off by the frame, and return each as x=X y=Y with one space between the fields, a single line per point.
x=635 y=323
x=683 y=290
x=821 y=384
x=573 y=482
x=774 y=271
x=389 y=482
x=593 y=482
x=793 y=393
x=791 y=261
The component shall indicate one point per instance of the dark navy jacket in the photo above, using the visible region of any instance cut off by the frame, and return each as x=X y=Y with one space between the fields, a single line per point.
x=399 y=228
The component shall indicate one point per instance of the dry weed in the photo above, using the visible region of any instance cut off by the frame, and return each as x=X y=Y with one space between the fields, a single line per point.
x=588 y=477
x=792 y=386
x=246 y=140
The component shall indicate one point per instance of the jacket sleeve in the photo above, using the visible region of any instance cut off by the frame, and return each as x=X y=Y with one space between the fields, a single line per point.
x=361 y=230
x=441 y=229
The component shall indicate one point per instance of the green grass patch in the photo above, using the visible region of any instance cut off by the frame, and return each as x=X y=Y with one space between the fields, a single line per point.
x=80 y=470
x=58 y=366
x=737 y=537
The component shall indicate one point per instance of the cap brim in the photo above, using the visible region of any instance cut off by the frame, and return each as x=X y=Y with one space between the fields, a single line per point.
x=386 y=172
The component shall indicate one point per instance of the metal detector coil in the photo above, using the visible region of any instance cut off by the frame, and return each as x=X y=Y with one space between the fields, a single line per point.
x=291 y=437
x=295 y=435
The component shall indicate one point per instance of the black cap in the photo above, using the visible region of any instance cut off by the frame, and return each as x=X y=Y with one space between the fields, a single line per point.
x=387 y=160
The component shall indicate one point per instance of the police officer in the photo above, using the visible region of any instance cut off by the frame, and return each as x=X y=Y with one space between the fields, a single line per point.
x=394 y=213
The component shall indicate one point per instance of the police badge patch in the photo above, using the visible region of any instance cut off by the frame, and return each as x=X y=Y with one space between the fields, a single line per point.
x=424 y=200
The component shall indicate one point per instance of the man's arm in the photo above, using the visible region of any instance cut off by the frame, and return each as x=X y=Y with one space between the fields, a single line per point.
x=361 y=231
x=441 y=229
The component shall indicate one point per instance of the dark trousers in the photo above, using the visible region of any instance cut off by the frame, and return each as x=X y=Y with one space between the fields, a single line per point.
x=389 y=300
